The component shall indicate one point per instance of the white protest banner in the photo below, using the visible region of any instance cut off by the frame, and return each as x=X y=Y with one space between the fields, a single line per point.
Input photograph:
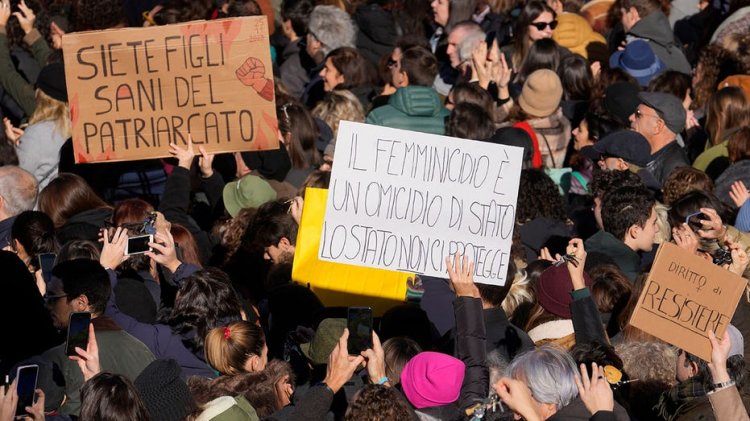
x=403 y=200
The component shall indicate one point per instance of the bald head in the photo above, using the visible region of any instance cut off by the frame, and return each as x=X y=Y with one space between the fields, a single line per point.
x=18 y=191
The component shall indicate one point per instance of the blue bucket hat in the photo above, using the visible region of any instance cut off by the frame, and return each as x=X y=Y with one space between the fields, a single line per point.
x=638 y=60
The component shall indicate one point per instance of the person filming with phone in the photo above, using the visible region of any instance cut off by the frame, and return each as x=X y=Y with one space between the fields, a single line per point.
x=77 y=296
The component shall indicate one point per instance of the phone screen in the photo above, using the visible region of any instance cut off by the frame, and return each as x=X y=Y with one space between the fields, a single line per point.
x=25 y=386
x=139 y=244
x=78 y=332
x=46 y=263
x=359 y=323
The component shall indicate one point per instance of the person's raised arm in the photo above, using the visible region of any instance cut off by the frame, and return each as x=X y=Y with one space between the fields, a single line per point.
x=88 y=359
x=725 y=398
x=12 y=81
x=36 y=42
x=470 y=331
x=596 y=393
x=587 y=322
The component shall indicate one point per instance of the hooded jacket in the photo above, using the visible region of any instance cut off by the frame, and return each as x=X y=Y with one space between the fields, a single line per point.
x=655 y=29
x=415 y=108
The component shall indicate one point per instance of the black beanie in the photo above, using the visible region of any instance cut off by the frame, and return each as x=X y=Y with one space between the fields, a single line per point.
x=51 y=81
x=164 y=392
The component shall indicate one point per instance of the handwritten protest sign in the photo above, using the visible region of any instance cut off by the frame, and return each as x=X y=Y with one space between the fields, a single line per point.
x=404 y=200
x=684 y=297
x=133 y=91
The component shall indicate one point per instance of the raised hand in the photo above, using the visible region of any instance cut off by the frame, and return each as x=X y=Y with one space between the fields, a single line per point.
x=719 y=354
x=461 y=275
x=375 y=357
x=4 y=12
x=685 y=238
x=113 y=250
x=88 y=359
x=166 y=252
x=517 y=396
x=11 y=132
x=184 y=155
x=739 y=193
x=341 y=365
x=25 y=17
x=595 y=392
x=740 y=259
x=713 y=227
x=576 y=249
x=206 y=162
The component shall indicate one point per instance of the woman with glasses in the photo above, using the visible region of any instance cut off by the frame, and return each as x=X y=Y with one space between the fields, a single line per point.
x=537 y=21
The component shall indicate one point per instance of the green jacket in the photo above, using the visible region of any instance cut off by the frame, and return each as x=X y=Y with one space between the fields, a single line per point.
x=626 y=259
x=227 y=408
x=707 y=157
x=119 y=353
x=416 y=108
x=14 y=84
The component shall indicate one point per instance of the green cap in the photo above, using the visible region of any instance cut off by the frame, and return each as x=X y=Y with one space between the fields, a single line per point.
x=325 y=339
x=249 y=191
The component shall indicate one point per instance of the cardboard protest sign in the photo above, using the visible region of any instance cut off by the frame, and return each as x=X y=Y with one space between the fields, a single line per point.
x=133 y=91
x=403 y=200
x=338 y=284
x=684 y=297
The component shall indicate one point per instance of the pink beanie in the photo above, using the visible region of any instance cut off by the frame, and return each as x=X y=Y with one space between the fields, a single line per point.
x=432 y=379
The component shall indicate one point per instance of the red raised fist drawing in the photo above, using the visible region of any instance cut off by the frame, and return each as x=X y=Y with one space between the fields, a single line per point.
x=252 y=73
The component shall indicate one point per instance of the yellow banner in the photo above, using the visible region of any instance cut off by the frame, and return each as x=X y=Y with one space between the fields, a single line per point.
x=339 y=284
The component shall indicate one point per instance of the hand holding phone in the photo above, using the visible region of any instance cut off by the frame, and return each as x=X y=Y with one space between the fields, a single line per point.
x=26 y=377
x=78 y=332
x=359 y=323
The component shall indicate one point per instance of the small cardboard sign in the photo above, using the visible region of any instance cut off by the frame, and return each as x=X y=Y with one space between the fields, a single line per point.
x=134 y=91
x=684 y=297
x=403 y=200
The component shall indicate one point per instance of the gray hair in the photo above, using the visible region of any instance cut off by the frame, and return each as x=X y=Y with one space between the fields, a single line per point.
x=18 y=189
x=474 y=35
x=497 y=365
x=550 y=374
x=332 y=27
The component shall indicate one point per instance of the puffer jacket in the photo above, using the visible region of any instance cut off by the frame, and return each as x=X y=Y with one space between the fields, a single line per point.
x=415 y=108
x=655 y=29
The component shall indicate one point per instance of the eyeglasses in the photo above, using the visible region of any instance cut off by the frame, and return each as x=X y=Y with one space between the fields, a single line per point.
x=52 y=298
x=639 y=115
x=541 y=26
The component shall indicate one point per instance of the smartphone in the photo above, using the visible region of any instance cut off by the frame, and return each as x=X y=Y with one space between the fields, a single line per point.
x=26 y=377
x=359 y=323
x=138 y=244
x=46 y=263
x=78 y=332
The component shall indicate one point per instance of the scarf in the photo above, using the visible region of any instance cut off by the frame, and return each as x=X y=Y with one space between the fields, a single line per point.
x=681 y=394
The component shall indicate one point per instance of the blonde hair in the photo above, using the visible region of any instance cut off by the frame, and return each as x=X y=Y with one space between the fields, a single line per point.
x=50 y=109
x=229 y=347
x=663 y=230
x=520 y=293
x=339 y=105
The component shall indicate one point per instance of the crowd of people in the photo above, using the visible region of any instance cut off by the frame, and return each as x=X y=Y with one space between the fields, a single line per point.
x=634 y=122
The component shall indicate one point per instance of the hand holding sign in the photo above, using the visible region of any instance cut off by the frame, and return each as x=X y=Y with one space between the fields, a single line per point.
x=461 y=274
x=253 y=73
x=184 y=155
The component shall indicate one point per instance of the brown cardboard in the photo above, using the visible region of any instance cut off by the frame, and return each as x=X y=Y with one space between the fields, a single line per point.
x=685 y=296
x=133 y=91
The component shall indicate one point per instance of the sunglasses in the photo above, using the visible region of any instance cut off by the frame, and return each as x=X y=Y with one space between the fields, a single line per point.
x=542 y=25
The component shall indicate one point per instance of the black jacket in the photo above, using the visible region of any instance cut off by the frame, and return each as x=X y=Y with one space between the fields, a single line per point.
x=84 y=225
x=377 y=32
x=667 y=159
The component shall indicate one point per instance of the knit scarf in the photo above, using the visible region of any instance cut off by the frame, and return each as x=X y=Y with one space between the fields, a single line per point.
x=681 y=394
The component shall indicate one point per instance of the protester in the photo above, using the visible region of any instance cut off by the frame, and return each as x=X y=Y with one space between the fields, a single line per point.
x=220 y=315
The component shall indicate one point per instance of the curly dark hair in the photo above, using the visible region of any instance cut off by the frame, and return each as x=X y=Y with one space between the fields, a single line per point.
x=270 y=224
x=625 y=207
x=93 y=15
x=177 y=11
x=691 y=203
x=205 y=300
x=683 y=180
x=375 y=402
x=606 y=181
x=538 y=196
